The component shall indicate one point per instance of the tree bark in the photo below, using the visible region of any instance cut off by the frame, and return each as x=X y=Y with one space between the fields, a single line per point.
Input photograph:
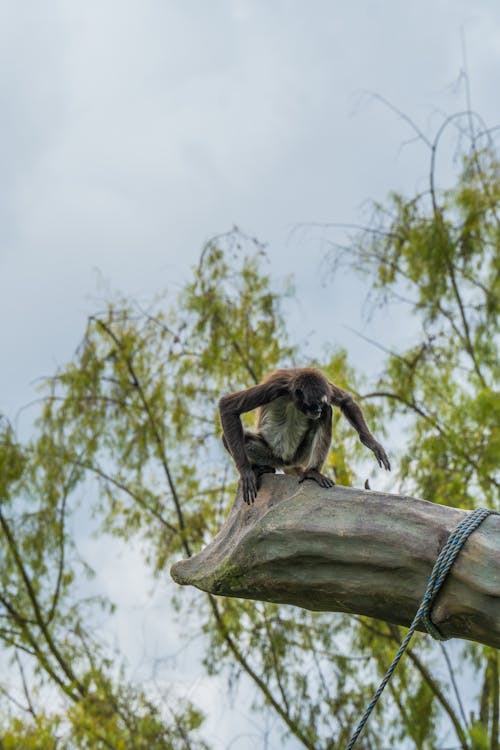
x=355 y=551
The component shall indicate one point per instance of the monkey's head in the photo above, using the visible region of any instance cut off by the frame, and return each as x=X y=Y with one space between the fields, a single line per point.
x=311 y=393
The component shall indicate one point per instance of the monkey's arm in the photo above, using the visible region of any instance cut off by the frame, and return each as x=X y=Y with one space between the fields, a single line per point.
x=230 y=408
x=352 y=412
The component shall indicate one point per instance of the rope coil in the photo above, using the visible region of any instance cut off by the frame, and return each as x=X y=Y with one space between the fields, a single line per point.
x=442 y=566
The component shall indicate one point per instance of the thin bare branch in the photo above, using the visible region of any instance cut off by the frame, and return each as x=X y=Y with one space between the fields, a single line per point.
x=156 y=435
x=451 y=672
x=39 y=618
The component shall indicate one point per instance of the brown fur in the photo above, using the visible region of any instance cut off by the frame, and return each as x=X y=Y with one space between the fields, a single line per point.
x=293 y=426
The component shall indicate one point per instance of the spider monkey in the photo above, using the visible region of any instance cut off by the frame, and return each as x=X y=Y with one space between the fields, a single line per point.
x=293 y=427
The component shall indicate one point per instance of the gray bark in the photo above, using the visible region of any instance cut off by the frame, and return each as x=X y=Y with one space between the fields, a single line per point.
x=349 y=550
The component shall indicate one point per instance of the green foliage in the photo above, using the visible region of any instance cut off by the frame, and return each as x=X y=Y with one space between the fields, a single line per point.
x=134 y=418
x=39 y=734
x=479 y=737
x=439 y=254
x=104 y=720
x=132 y=422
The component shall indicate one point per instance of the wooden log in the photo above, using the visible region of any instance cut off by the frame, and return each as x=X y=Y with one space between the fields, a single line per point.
x=349 y=550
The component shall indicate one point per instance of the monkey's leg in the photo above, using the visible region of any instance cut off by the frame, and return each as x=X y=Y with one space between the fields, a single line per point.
x=259 y=453
x=261 y=456
x=262 y=460
x=313 y=452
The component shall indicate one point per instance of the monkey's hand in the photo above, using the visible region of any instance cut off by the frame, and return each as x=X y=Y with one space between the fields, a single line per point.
x=321 y=479
x=248 y=480
x=379 y=452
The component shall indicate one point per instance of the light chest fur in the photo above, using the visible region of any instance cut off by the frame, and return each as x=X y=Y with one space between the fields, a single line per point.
x=283 y=426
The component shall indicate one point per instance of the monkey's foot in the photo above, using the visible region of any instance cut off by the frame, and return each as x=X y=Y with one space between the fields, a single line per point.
x=318 y=477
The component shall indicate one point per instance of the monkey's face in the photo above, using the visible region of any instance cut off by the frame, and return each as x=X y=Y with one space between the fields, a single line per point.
x=310 y=402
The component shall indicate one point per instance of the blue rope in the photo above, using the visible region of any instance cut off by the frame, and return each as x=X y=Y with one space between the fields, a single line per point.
x=441 y=568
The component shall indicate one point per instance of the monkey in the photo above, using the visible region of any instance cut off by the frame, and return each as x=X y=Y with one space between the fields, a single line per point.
x=293 y=427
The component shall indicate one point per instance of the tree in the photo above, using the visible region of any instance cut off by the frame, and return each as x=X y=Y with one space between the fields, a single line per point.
x=438 y=253
x=132 y=419
x=136 y=412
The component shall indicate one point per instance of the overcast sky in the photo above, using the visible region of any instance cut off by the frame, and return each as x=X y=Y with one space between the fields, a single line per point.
x=133 y=131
